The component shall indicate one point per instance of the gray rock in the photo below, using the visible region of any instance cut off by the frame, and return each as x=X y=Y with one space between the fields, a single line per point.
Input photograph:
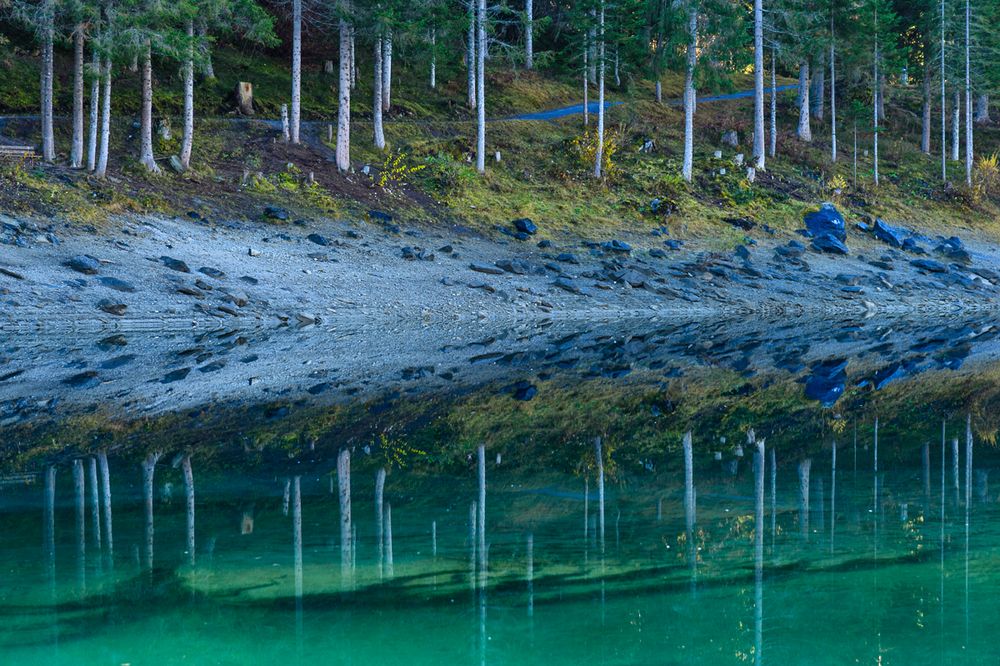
x=111 y=307
x=929 y=265
x=175 y=264
x=489 y=270
x=318 y=240
x=117 y=285
x=887 y=233
x=84 y=263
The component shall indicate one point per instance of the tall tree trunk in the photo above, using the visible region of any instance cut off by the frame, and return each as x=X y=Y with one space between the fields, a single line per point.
x=774 y=103
x=968 y=98
x=658 y=91
x=956 y=127
x=208 y=68
x=346 y=535
x=102 y=460
x=758 y=84
x=817 y=96
x=102 y=156
x=592 y=49
x=833 y=95
x=687 y=169
x=148 y=472
x=470 y=55
x=296 y=68
x=146 y=117
x=189 y=503
x=433 y=58
x=187 y=141
x=481 y=47
x=95 y=108
x=379 y=137
x=76 y=154
x=804 y=131
x=48 y=58
x=529 y=37
x=602 y=66
x=944 y=101
x=387 y=71
x=344 y=108
x=380 y=518
x=925 y=116
x=875 y=106
x=881 y=94
x=95 y=503
x=586 y=90
x=983 y=108
x=354 y=59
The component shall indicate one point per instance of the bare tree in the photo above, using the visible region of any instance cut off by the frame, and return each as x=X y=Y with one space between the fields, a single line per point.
x=529 y=37
x=344 y=87
x=804 y=131
x=481 y=51
x=602 y=67
x=689 y=91
x=758 y=84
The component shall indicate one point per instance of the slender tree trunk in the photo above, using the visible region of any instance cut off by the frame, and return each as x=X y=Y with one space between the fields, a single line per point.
x=925 y=116
x=433 y=58
x=658 y=88
x=346 y=535
x=377 y=95
x=956 y=127
x=602 y=66
x=817 y=96
x=529 y=37
x=189 y=503
x=481 y=46
x=95 y=503
x=146 y=118
x=187 y=141
x=881 y=94
x=804 y=131
x=592 y=49
x=586 y=90
x=470 y=55
x=944 y=102
x=76 y=154
x=380 y=519
x=354 y=59
x=983 y=108
x=876 y=94
x=618 y=76
x=774 y=103
x=344 y=108
x=758 y=84
x=102 y=460
x=387 y=71
x=95 y=109
x=48 y=58
x=687 y=169
x=208 y=68
x=102 y=157
x=833 y=95
x=148 y=472
x=296 y=68
x=968 y=98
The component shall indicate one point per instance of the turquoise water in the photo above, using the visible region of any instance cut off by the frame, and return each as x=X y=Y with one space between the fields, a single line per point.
x=839 y=578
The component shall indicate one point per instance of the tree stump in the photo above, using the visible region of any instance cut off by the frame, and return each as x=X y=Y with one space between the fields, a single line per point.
x=244 y=98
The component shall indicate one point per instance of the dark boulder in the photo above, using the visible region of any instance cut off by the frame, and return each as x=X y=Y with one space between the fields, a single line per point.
x=954 y=250
x=526 y=226
x=276 y=213
x=826 y=220
x=827 y=381
x=175 y=264
x=616 y=246
x=84 y=263
x=887 y=233
x=828 y=243
x=929 y=265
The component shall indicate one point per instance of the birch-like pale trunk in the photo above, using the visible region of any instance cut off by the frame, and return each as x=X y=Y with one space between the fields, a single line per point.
x=925 y=113
x=758 y=84
x=344 y=108
x=833 y=95
x=618 y=75
x=148 y=472
x=380 y=519
x=689 y=93
x=804 y=468
x=875 y=106
x=80 y=511
x=76 y=153
x=956 y=127
x=49 y=520
x=296 y=492
x=774 y=103
x=95 y=503
x=586 y=91
x=690 y=499
x=354 y=58
x=470 y=55
x=146 y=157
x=658 y=91
x=529 y=36
x=346 y=534
x=944 y=101
x=804 y=131
x=983 y=108
x=95 y=109
x=387 y=71
x=296 y=68
x=599 y=458
x=592 y=49
x=481 y=46
x=817 y=96
x=481 y=505
x=47 y=76
x=208 y=68
x=968 y=100
x=433 y=59
x=602 y=67
x=102 y=158
x=188 y=473
x=102 y=460
x=379 y=132
x=187 y=140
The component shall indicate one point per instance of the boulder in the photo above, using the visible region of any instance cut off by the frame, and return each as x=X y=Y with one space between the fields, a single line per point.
x=929 y=265
x=954 y=251
x=616 y=246
x=526 y=226
x=276 y=213
x=887 y=233
x=826 y=220
x=84 y=263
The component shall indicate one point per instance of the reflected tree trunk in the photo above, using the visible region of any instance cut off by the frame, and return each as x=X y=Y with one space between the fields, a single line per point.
x=481 y=505
x=833 y=494
x=530 y=547
x=599 y=457
x=968 y=462
x=296 y=500
x=689 y=503
x=148 y=471
x=286 y=497
x=380 y=519
x=49 y=522
x=388 y=540
x=774 y=496
x=804 y=468
x=189 y=505
x=80 y=511
x=955 y=469
x=758 y=547
x=472 y=544
x=344 y=488
x=95 y=504
x=102 y=459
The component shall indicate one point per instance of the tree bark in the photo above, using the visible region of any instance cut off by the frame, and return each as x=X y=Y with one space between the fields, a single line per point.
x=146 y=157
x=95 y=109
x=804 y=131
x=344 y=108
x=387 y=71
x=187 y=140
x=529 y=37
x=925 y=116
x=956 y=127
x=481 y=47
x=102 y=157
x=208 y=68
x=774 y=103
x=586 y=90
x=876 y=93
x=148 y=472
x=758 y=84
x=968 y=100
x=817 y=96
x=833 y=96
x=380 y=518
x=602 y=67
x=102 y=459
x=470 y=55
x=76 y=154
x=296 y=68
x=344 y=494
x=95 y=503
x=379 y=133
x=189 y=503
x=983 y=108
x=944 y=100
x=687 y=169
x=433 y=59
x=48 y=58
x=658 y=92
